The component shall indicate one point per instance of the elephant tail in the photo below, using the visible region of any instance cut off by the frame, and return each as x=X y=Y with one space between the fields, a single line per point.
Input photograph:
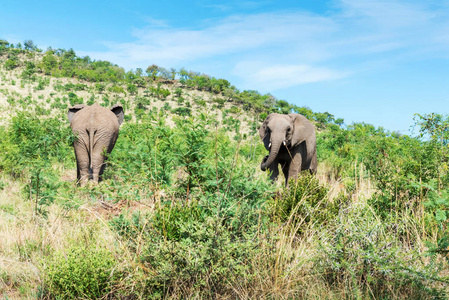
x=91 y=147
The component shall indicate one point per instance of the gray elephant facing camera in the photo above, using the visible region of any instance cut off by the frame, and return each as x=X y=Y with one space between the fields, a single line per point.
x=291 y=141
x=96 y=130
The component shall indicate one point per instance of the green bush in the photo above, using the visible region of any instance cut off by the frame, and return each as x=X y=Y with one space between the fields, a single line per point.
x=304 y=201
x=80 y=273
x=362 y=256
x=11 y=64
x=31 y=145
x=185 y=247
x=182 y=111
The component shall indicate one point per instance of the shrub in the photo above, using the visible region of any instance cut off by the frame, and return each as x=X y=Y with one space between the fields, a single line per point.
x=186 y=248
x=182 y=111
x=74 y=99
x=200 y=102
x=81 y=272
x=362 y=256
x=11 y=64
x=305 y=200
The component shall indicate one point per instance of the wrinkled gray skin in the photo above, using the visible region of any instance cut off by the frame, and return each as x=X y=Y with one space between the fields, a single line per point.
x=96 y=129
x=292 y=144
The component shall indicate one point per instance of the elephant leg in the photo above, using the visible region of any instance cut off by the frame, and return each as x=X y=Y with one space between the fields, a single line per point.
x=96 y=174
x=285 y=170
x=97 y=167
x=98 y=163
x=313 y=164
x=82 y=163
x=103 y=166
x=83 y=173
x=295 y=165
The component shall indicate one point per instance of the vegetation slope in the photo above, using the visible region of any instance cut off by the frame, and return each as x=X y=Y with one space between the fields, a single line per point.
x=184 y=210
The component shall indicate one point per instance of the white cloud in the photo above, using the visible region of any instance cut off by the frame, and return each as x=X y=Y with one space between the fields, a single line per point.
x=292 y=48
x=279 y=76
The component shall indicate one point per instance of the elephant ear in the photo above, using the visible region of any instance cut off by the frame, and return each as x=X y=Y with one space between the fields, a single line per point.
x=117 y=109
x=73 y=110
x=302 y=129
x=263 y=128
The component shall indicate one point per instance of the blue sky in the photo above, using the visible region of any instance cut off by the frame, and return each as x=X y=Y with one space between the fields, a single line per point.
x=377 y=62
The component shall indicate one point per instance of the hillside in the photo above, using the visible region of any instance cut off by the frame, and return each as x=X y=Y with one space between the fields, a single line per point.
x=49 y=96
x=184 y=210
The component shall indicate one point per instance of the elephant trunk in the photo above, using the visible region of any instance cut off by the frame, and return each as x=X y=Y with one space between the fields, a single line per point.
x=274 y=150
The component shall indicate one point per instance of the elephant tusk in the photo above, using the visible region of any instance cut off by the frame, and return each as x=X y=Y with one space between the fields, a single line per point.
x=269 y=145
x=285 y=144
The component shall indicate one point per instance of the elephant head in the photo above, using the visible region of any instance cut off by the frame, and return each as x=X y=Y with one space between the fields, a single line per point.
x=287 y=131
x=96 y=129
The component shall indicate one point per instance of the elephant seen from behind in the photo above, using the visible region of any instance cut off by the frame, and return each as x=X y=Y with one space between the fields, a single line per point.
x=291 y=141
x=96 y=130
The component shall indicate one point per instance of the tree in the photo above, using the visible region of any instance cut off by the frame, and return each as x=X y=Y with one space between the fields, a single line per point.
x=139 y=72
x=3 y=45
x=283 y=107
x=29 y=45
x=140 y=82
x=87 y=59
x=183 y=74
x=132 y=89
x=172 y=73
x=152 y=71
x=269 y=101
x=69 y=55
x=305 y=111
x=49 y=62
x=29 y=70
x=164 y=73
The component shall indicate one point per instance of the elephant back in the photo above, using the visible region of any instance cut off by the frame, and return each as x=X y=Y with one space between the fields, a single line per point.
x=94 y=117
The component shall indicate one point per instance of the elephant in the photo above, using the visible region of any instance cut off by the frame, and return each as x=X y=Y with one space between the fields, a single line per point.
x=96 y=130
x=291 y=141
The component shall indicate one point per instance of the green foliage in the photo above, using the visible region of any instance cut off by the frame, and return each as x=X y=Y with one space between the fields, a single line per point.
x=132 y=89
x=182 y=250
x=146 y=148
x=192 y=149
x=159 y=92
x=42 y=83
x=74 y=99
x=197 y=244
x=29 y=70
x=361 y=259
x=80 y=272
x=11 y=63
x=207 y=230
x=182 y=111
x=49 y=62
x=36 y=139
x=116 y=89
x=29 y=45
x=178 y=92
x=170 y=220
x=31 y=146
x=305 y=200
x=200 y=102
